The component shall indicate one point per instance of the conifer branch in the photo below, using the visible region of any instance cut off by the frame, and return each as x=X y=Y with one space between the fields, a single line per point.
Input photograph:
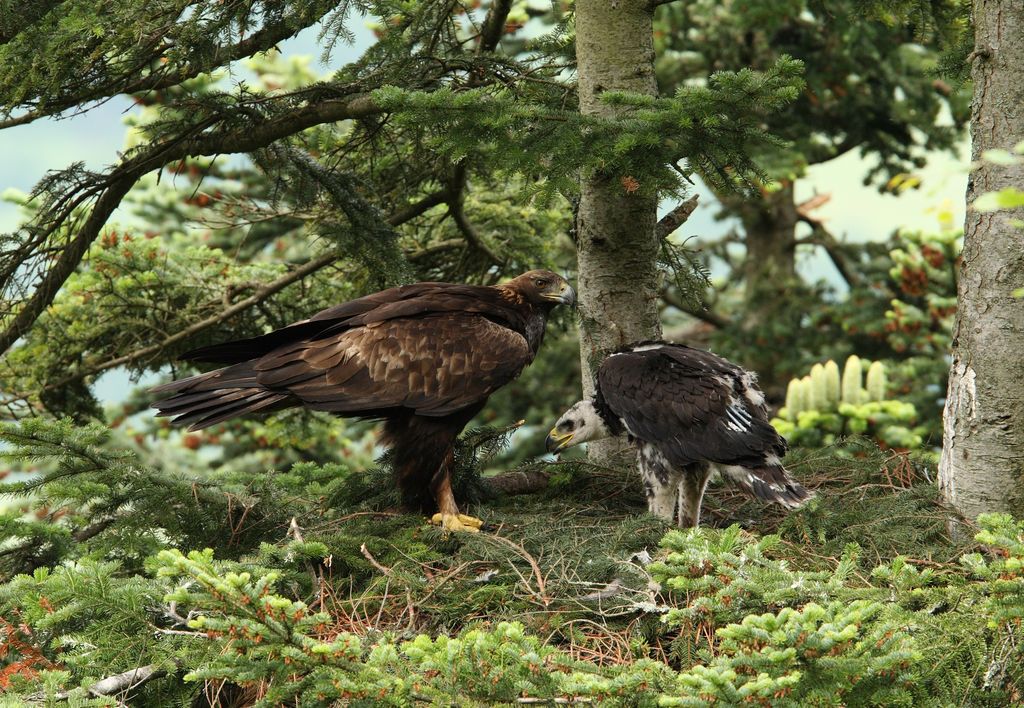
x=254 y=137
x=11 y=26
x=122 y=178
x=490 y=35
x=261 y=41
x=68 y=260
x=345 y=193
x=210 y=137
x=260 y=295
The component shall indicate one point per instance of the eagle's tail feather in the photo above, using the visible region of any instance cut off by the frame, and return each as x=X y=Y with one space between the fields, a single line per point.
x=770 y=483
x=191 y=402
x=207 y=399
x=258 y=401
x=219 y=406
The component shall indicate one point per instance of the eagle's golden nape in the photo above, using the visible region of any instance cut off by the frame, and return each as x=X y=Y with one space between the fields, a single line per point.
x=685 y=410
x=423 y=358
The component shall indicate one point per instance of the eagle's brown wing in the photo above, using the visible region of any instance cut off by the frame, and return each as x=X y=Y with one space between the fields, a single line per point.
x=683 y=402
x=399 y=302
x=433 y=365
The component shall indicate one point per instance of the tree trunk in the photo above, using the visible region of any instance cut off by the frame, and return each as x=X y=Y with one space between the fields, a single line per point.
x=617 y=247
x=769 y=224
x=982 y=464
x=769 y=274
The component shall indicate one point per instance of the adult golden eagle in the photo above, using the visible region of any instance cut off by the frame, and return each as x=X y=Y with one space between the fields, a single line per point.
x=683 y=408
x=423 y=358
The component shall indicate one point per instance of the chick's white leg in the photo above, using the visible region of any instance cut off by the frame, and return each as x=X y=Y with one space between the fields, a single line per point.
x=661 y=482
x=694 y=480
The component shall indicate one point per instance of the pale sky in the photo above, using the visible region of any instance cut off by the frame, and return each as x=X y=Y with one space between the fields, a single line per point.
x=27 y=152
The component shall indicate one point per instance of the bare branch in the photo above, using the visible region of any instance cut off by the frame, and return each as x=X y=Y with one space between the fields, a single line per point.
x=421 y=207
x=610 y=590
x=804 y=208
x=433 y=249
x=709 y=316
x=117 y=684
x=456 y=201
x=294 y=531
x=526 y=481
x=374 y=562
x=95 y=528
x=467 y=230
x=676 y=218
x=127 y=680
x=820 y=236
x=541 y=593
x=494 y=25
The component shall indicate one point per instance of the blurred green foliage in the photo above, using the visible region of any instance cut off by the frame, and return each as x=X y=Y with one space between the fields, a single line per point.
x=820 y=408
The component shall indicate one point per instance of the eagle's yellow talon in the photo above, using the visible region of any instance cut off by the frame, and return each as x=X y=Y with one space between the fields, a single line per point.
x=471 y=521
x=457 y=522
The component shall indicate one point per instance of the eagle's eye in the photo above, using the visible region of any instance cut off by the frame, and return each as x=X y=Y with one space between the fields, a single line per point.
x=540 y=282
x=567 y=425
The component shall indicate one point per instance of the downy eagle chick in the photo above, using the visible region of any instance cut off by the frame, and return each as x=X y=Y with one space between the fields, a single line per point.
x=683 y=409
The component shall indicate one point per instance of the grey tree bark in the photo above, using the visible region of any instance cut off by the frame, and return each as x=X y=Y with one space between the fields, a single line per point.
x=769 y=271
x=982 y=464
x=617 y=246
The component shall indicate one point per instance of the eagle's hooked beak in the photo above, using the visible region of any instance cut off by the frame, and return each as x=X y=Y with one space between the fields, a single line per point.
x=555 y=442
x=566 y=295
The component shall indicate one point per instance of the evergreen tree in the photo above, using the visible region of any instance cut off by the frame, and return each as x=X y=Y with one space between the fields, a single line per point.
x=983 y=442
x=872 y=86
x=615 y=223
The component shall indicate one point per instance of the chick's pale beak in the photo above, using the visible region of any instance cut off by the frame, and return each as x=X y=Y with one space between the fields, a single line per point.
x=555 y=442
